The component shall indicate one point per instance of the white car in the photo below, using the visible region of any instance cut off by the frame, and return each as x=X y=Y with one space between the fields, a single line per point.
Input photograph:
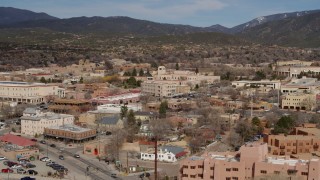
x=2 y=158
x=45 y=159
x=16 y=167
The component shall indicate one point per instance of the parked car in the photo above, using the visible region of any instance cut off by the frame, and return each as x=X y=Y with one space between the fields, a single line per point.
x=16 y=166
x=10 y=163
x=50 y=163
x=28 y=178
x=144 y=175
x=23 y=161
x=43 y=142
x=76 y=156
x=7 y=170
x=61 y=157
x=21 y=171
x=45 y=159
x=29 y=165
x=33 y=172
x=53 y=145
x=108 y=133
x=114 y=175
x=2 y=158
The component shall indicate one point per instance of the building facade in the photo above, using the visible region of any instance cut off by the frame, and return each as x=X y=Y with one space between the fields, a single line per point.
x=250 y=162
x=25 y=92
x=34 y=121
x=70 y=133
x=299 y=101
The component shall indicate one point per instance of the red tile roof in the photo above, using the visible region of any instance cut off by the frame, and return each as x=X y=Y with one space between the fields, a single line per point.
x=180 y=154
x=20 y=141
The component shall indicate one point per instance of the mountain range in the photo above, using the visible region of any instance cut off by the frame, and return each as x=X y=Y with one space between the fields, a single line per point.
x=295 y=28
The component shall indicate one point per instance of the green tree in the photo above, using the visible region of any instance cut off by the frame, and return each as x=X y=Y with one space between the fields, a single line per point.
x=141 y=73
x=197 y=86
x=123 y=111
x=256 y=125
x=43 y=80
x=81 y=80
x=177 y=66
x=163 y=109
x=134 y=72
x=197 y=70
x=132 y=82
x=284 y=125
x=154 y=64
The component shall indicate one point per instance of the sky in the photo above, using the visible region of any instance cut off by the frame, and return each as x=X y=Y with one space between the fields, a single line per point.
x=202 y=13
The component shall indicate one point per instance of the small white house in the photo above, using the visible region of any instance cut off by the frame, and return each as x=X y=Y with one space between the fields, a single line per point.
x=165 y=153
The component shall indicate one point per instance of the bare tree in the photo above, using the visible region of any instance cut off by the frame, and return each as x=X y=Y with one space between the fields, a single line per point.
x=116 y=141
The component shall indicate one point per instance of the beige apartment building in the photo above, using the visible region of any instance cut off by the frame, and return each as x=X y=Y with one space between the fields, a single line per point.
x=34 y=121
x=299 y=101
x=180 y=75
x=250 y=162
x=164 y=88
x=294 y=68
x=28 y=92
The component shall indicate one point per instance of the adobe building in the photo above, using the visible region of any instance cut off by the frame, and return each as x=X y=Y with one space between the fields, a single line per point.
x=304 y=139
x=70 y=133
x=250 y=162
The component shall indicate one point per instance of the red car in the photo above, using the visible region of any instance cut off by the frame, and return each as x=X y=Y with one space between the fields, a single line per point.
x=7 y=170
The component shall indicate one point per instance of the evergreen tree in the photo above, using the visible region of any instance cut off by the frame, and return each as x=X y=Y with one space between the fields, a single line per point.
x=123 y=111
x=197 y=86
x=197 y=70
x=43 y=80
x=81 y=80
x=177 y=66
x=163 y=109
x=134 y=72
x=141 y=73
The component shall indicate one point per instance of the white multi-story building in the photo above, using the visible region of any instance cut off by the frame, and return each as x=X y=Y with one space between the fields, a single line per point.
x=34 y=121
x=262 y=83
x=28 y=92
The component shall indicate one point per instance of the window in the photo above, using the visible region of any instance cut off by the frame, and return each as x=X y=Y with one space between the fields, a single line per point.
x=200 y=166
x=211 y=168
x=276 y=172
x=235 y=178
x=200 y=175
x=192 y=176
x=263 y=172
x=228 y=178
x=185 y=167
x=192 y=167
x=304 y=173
x=211 y=177
x=234 y=169
x=228 y=169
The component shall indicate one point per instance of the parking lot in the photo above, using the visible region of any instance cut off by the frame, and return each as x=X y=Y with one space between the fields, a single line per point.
x=41 y=168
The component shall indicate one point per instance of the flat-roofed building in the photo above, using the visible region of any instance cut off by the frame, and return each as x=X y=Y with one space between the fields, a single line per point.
x=164 y=88
x=262 y=83
x=299 y=101
x=250 y=162
x=34 y=121
x=28 y=92
x=70 y=133
x=301 y=85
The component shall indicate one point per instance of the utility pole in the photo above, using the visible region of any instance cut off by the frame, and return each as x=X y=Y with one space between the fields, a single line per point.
x=127 y=162
x=156 y=158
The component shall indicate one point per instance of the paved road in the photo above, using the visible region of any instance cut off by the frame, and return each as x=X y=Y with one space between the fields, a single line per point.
x=78 y=165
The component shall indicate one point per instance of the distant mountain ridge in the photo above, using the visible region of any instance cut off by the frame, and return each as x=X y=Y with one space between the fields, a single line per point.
x=294 y=28
x=302 y=31
x=269 y=18
x=9 y=15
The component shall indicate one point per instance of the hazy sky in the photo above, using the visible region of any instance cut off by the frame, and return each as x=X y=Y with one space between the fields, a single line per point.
x=193 y=12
